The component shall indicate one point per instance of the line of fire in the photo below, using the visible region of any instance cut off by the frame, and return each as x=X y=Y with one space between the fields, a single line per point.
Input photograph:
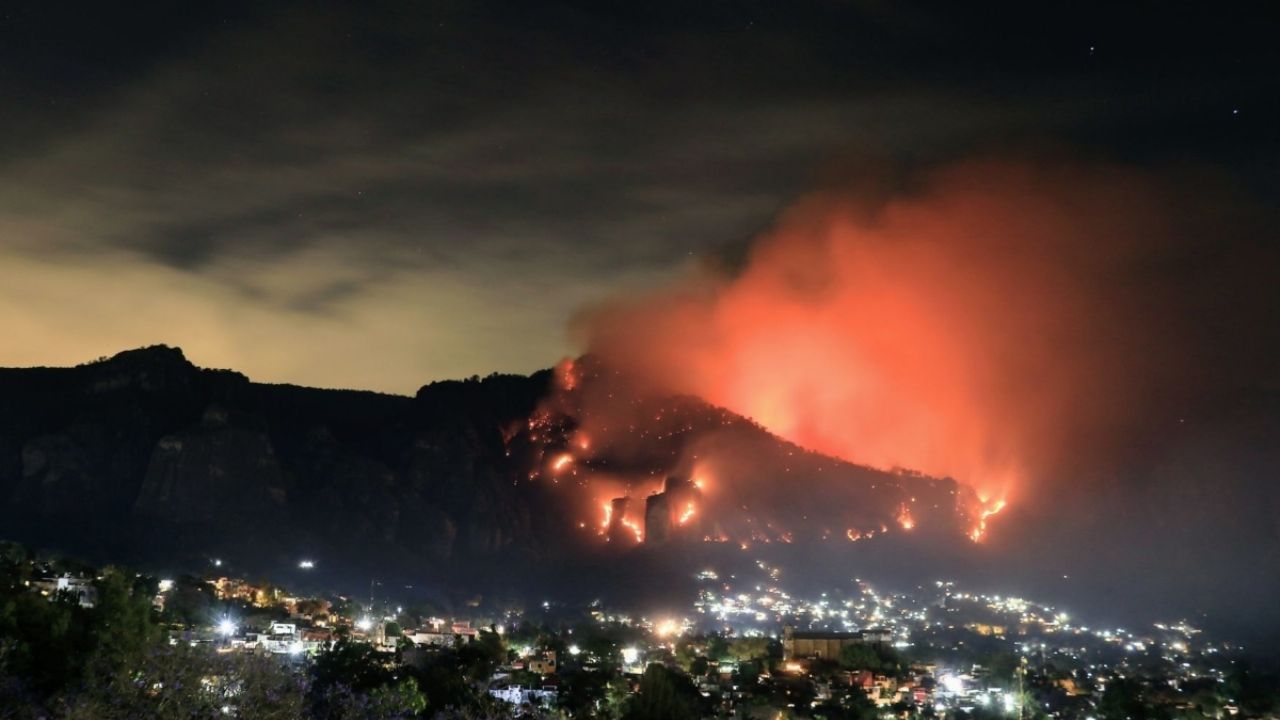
x=640 y=468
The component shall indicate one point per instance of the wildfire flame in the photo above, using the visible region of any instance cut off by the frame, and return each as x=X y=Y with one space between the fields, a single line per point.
x=926 y=330
x=631 y=525
x=608 y=518
x=582 y=434
x=904 y=518
x=687 y=515
x=979 y=530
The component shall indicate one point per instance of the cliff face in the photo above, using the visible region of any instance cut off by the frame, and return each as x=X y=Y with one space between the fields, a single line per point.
x=146 y=454
x=212 y=471
x=146 y=458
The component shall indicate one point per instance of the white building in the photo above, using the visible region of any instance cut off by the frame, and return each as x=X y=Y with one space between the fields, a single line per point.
x=80 y=588
x=281 y=639
x=442 y=635
x=519 y=695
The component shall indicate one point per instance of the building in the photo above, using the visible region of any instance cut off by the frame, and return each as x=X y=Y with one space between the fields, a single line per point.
x=824 y=645
x=545 y=664
x=79 y=588
x=281 y=639
x=521 y=696
x=877 y=637
x=439 y=634
x=237 y=589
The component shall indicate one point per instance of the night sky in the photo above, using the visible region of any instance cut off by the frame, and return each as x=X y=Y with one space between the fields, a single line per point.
x=378 y=195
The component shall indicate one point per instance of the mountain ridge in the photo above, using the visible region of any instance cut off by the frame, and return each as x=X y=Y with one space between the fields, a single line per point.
x=147 y=457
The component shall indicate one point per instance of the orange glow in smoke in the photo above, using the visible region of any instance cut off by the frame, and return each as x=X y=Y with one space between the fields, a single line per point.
x=969 y=328
x=567 y=375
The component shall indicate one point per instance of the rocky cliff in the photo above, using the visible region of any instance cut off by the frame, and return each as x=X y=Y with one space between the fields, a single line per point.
x=144 y=447
x=148 y=458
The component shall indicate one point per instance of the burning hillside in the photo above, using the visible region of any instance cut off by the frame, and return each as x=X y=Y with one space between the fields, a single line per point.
x=988 y=322
x=479 y=479
x=640 y=468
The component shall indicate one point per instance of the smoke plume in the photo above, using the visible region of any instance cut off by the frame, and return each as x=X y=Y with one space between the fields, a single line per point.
x=994 y=322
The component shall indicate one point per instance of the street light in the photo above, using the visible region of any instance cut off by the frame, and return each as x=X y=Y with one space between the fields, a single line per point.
x=226 y=628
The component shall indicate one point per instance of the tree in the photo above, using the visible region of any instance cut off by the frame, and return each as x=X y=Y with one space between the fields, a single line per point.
x=859 y=657
x=1122 y=700
x=346 y=608
x=176 y=682
x=699 y=667
x=749 y=648
x=480 y=658
x=1258 y=692
x=353 y=664
x=268 y=689
x=663 y=695
x=190 y=602
x=44 y=643
x=1001 y=666
x=352 y=680
x=399 y=700
x=747 y=673
x=617 y=694
x=686 y=653
x=454 y=680
x=866 y=657
x=582 y=691
x=718 y=648
x=122 y=625
x=492 y=644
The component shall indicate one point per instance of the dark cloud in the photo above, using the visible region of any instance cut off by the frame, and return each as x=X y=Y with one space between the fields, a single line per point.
x=498 y=165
